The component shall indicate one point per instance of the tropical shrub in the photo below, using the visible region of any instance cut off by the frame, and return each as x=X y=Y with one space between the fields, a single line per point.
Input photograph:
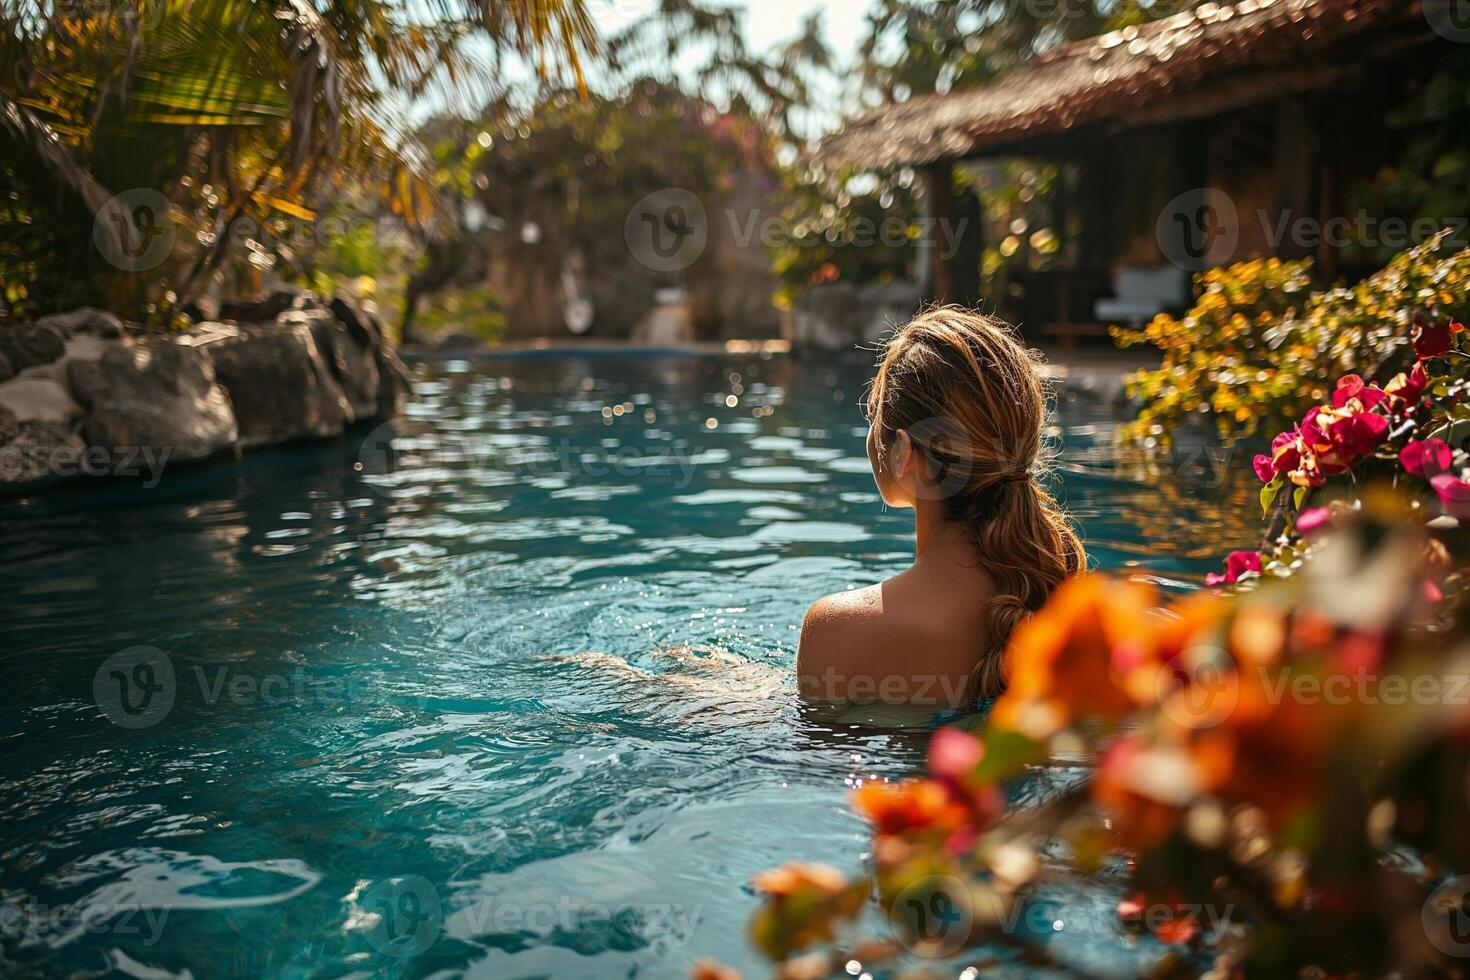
x=1279 y=785
x=1409 y=433
x=1428 y=177
x=220 y=123
x=1261 y=346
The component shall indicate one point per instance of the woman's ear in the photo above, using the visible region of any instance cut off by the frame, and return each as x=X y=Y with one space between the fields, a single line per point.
x=903 y=456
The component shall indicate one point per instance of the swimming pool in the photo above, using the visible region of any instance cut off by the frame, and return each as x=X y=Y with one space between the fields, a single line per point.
x=380 y=751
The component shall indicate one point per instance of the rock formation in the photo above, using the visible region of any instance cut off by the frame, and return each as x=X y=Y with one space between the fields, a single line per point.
x=84 y=393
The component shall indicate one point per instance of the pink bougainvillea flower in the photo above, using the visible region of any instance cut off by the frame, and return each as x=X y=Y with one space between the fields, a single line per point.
x=1319 y=454
x=1409 y=387
x=1358 y=434
x=1309 y=472
x=1432 y=340
x=954 y=754
x=1454 y=494
x=1427 y=457
x=1236 y=565
x=1351 y=388
x=1311 y=520
x=1312 y=431
x=1284 y=456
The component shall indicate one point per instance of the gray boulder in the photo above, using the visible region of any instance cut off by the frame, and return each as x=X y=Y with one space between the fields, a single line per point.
x=33 y=397
x=393 y=376
x=87 y=321
x=40 y=453
x=363 y=328
x=30 y=345
x=352 y=363
x=154 y=392
x=266 y=310
x=281 y=387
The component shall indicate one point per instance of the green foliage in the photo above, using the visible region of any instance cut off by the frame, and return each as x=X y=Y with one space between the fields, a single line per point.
x=553 y=184
x=1430 y=179
x=1260 y=347
x=232 y=110
x=844 y=227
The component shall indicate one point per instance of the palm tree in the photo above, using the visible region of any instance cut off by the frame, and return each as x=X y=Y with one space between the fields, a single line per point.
x=240 y=114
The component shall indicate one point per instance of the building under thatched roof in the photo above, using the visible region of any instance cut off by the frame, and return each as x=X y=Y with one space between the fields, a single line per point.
x=1270 y=47
x=1279 y=105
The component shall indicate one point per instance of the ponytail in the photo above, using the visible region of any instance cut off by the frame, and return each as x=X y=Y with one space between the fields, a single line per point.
x=969 y=378
x=1027 y=547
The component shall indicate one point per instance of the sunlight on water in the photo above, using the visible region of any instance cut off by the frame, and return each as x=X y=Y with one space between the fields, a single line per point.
x=504 y=688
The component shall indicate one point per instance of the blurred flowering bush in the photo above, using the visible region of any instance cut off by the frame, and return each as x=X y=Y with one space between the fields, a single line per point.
x=1409 y=432
x=1280 y=788
x=1279 y=778
x=1260 y=346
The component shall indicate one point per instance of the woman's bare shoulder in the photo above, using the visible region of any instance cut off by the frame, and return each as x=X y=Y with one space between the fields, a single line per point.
x=884 y=641
x=850 y=638
x=854 y=605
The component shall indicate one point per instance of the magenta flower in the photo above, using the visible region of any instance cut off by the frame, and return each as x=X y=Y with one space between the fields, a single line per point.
x=1351 y=387
x=1432 y=340
x=1358 y=434
x=1284 y=456
x=1237 y=564
x=1427 y=457
x=1409 y=387
x=1454 y=494
x=1311 y=520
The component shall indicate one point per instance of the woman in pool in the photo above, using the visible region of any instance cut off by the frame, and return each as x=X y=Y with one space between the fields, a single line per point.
x=955 y=415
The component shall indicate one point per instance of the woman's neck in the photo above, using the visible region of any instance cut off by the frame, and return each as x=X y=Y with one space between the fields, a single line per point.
x=935 y=535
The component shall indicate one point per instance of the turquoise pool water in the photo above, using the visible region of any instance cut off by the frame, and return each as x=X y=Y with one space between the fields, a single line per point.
x=424 y=717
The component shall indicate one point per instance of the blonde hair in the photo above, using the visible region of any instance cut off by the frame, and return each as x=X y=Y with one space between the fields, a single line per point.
x=971 y=397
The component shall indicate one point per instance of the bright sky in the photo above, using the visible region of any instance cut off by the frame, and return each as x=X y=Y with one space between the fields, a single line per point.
x=767 y=24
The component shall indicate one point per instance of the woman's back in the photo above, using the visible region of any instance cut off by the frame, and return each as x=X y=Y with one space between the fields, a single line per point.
x=914 y=639
x=956 y=414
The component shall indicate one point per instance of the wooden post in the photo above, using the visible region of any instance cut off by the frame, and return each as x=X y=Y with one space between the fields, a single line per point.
x=1297 y=168
x=941 y=216
x=964 y=241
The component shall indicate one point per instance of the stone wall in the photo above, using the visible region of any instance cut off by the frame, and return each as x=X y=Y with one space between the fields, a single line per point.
x=84 y=393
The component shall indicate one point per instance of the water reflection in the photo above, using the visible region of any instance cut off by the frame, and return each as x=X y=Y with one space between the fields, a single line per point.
x=474 y=648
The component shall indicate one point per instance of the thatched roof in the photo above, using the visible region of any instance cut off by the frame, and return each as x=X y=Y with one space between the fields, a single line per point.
x=1106 y=77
